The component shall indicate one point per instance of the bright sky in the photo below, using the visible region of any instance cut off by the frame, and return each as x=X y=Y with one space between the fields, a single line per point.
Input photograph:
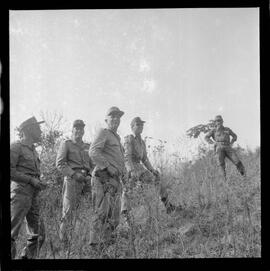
x=175 y=68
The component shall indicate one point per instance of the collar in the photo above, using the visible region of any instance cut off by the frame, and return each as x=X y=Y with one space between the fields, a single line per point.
x=28 y=144
x=77 y=143
x=138 y=137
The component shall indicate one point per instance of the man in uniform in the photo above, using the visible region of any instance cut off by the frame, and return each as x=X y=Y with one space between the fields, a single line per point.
x=135 y=153
x=107 y=153
x=74 y=163
x=223 y=145
x=25 y=186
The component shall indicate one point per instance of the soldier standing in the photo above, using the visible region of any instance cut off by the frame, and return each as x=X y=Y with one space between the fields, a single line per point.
x=74 y=163
x=135 y=153
x=223 y=145
x=25 y=186
x=107 y=153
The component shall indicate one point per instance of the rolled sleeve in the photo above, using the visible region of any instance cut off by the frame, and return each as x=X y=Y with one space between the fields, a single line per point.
x=233 y=135
x=96 y=149
x=145 y=159
x=128 y=153
x=61 y=160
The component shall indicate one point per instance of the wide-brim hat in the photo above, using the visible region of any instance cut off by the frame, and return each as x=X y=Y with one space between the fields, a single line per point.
x=136 y=120
x=29 y=122
x=115 y=110
x=78 y=123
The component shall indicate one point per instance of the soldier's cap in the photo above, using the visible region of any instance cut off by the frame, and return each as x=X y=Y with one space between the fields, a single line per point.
x=136 y=120
x=78 y=123
x=114 y=110
x=29 y=122
x=218 y=118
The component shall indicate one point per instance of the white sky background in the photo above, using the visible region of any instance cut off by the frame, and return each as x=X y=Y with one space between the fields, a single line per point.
x=175 y=68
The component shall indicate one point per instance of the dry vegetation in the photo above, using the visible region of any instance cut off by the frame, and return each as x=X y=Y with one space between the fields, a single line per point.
x=218 y=219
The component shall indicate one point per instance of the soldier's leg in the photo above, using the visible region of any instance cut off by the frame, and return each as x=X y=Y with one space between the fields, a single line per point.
x=35 y=231
x=165 y=197
x=231 y=154
x=19 y=207
x=114 y=199
x=69 y=202
x=101 y=211
x=126 y=196
x=220 y=153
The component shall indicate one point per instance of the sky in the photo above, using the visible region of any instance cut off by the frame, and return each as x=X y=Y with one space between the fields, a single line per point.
x=174 y=68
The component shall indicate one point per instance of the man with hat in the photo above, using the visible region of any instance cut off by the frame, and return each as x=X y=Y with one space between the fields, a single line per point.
x=107 y=153
x=73 y=162
x=139 y=169
x=25 y=186
x=223 y=145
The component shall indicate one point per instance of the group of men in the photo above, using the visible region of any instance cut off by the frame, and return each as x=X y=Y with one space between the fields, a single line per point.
x=112 y=169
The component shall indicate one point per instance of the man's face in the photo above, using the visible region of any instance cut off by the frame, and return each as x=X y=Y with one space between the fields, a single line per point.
x=78 y=132
x=137 y=128
x=113 y=121
x=219 y=123
x=35 y=133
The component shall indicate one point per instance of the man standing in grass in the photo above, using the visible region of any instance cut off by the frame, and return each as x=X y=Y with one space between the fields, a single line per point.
x=223 y=145
x=25 y=187
x=140 y=169
x=74 y=163
x=107 y=153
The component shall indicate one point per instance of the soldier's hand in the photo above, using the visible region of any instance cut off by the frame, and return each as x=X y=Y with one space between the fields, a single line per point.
x=38 y=184
x=78 y=177
x=112 y=170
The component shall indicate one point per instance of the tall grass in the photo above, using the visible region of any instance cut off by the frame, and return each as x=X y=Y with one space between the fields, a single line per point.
x=219 y=219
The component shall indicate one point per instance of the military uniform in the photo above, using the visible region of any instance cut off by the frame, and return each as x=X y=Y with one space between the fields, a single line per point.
x=135 y=153
x=106 y=150
x=72 y=157
x=24 y=165
x=223 y=147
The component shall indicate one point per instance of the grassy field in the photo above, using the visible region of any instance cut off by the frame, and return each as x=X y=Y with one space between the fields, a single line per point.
x=218 y=219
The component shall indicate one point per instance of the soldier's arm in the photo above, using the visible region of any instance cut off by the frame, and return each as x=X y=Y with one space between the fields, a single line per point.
x=233 y=135
x=96 y=149
x=209 y=136
x=15 y=175
x=61 y=160
x=145 y=159
x=128 y=141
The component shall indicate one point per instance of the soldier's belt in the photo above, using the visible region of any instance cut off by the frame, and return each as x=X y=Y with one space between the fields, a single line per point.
x=83 y=171
x=223 y=143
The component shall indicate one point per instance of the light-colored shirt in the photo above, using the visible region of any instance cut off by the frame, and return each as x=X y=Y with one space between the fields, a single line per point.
x=72 y=155
x=135 y=152
x=106 y=149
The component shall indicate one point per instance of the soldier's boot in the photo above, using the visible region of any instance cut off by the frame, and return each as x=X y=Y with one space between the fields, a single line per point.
x=168 y=205
x=241 y=168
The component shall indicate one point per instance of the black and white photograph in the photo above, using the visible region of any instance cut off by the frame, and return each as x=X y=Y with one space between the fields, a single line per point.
x=135 y=133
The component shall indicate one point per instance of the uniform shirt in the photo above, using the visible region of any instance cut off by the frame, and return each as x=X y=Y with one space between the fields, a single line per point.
x=135 y=152
x=221 y=135
x=24 y=164
x=72 y=155
x=106 y=150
